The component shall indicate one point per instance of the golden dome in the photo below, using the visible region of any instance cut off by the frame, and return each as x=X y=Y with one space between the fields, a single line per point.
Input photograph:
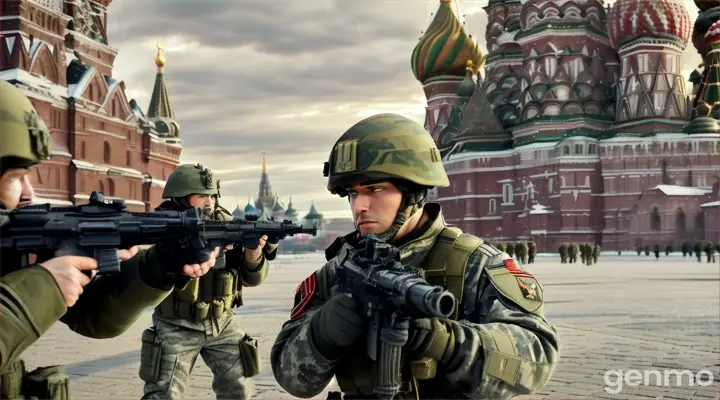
x=159 y=58
x=446 y=47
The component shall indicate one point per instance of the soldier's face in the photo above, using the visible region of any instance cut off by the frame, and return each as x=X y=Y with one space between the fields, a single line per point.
x=15 y=188
x=201 y=200
x=374 y=206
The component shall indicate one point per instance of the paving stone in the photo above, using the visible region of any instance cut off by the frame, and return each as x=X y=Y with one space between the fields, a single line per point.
x=620 y=314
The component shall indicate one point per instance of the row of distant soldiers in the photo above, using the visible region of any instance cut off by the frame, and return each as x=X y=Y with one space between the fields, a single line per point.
x=688 y=248
x=589 y=253
x=521 y=251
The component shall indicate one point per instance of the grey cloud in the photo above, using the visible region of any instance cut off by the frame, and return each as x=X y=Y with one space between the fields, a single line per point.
x=272 y=26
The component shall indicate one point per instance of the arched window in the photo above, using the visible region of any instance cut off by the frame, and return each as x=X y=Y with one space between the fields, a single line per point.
x=82 y=150
x=128 y=158
x=106 y=152
x=655 y=222
x=101 y=187
x=111 y=188
x=680 y=224
x=492 y=208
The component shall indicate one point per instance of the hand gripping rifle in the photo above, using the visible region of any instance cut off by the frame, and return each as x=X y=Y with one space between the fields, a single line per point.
x=391 y=294
x=101 y=227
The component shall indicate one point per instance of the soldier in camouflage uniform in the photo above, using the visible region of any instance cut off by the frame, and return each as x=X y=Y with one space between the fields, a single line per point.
x=35 y=296
x=199 y=319
x=497 y=345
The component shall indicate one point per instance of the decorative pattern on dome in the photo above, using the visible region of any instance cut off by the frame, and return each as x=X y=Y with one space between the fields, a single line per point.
x=709 y=105
x=702 y=24
x=536 y=12
x=445 y=47
x=632 y=19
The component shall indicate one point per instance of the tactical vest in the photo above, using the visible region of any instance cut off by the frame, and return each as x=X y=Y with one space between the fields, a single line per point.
x=211 y=295
x=445 y=266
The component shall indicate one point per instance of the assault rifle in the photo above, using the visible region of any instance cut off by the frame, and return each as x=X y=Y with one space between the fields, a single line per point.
x=391 y=294
x=101 y=227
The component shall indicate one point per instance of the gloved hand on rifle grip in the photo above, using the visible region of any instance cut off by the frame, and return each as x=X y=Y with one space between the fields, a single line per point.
x=431 y=337
x=337 y=325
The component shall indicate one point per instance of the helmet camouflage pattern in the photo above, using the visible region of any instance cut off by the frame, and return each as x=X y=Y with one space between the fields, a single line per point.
x=385 y=146
x=190 y=179
x=23 y=134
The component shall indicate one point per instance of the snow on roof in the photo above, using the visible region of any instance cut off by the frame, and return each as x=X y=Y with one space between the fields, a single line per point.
x=539 y=209
x=711 y=204
x=76 y=90
x=104 y=168
x=675 y=190
x=51 y=89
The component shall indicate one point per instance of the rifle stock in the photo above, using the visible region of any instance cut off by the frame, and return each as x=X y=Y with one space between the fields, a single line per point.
x=101 y=227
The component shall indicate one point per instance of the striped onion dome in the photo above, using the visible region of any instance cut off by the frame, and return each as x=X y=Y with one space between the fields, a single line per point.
x=445 y=48
x=633 y=19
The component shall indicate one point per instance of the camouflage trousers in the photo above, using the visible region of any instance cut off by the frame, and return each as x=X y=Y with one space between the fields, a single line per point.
x=179 y=349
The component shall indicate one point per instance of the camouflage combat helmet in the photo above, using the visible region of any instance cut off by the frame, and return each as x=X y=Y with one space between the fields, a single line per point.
x=190 y=179
x=385 y=146
x=24 y=137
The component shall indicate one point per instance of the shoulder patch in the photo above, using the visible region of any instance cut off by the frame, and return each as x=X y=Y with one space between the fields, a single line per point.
x=304 y=295
x=517 y=285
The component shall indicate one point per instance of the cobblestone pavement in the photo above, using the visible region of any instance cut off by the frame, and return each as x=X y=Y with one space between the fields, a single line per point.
x=625 y=313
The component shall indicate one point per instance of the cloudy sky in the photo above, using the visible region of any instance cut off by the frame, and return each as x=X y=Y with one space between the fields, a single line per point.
x=284 y=77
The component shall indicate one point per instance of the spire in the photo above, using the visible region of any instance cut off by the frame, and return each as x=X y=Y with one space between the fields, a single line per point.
x=265 y=197
x=160 y=111
x=264 y=164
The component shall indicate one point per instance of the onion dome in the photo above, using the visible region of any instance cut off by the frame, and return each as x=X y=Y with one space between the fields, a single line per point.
x=466 y=88
x=291 y=212
x=445 y=47
x=707 y=4
x=277 y=207
x=250 y=209
x=702 y=125
x=709 y=104
x=238 y=212
x=629 y=20
x=313 y=213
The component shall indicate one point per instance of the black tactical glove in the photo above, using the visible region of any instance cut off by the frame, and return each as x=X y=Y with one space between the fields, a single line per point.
x=431 y=337
x=172 y=257
x=337 y=325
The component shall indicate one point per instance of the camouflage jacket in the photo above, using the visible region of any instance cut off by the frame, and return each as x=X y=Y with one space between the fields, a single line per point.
x=251 y=274
x=31 y=302
x=495 y=331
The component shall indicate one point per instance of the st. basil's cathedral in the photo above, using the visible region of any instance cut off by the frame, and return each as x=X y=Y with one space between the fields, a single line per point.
x=580 y=127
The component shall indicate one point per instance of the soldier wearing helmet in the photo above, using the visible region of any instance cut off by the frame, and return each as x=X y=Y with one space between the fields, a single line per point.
x=199 y=318
x=497 y=344
x=35 y=296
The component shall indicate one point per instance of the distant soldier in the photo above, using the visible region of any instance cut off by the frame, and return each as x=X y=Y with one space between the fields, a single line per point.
x=656 y=249
x=510 y=249
x=596 y=253
x=710 y=251
x=531 y=252
x=588 y=253
x=573 y=252
x=698 y=250
x=521 y=252
x=583 y=253
x=563 y=250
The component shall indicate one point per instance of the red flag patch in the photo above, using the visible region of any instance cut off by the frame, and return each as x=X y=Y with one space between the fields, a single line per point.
x=304 y=295
x=515 y=270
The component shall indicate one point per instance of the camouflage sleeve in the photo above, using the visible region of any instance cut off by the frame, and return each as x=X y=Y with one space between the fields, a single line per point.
x=505 y=346
x=253 y=273
x=296 y=363
x=30 y=303
x=110 y=304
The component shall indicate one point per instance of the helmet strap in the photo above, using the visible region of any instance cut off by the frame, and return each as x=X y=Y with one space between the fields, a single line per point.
x=413 y=200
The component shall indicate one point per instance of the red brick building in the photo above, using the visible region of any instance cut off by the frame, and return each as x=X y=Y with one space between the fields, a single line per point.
x=581 y=128
x=57 y=52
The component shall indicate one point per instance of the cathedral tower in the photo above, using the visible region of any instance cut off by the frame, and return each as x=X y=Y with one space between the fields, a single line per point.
x=439 y=61
x=650 y=36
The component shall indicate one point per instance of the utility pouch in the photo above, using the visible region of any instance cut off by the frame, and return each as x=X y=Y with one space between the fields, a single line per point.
x=202 y=310
x=190 y=292
x=218 y=306
x=223 y=285
x=47 y=383
x=150 y=353
x=11 y=381
x=249 y=356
